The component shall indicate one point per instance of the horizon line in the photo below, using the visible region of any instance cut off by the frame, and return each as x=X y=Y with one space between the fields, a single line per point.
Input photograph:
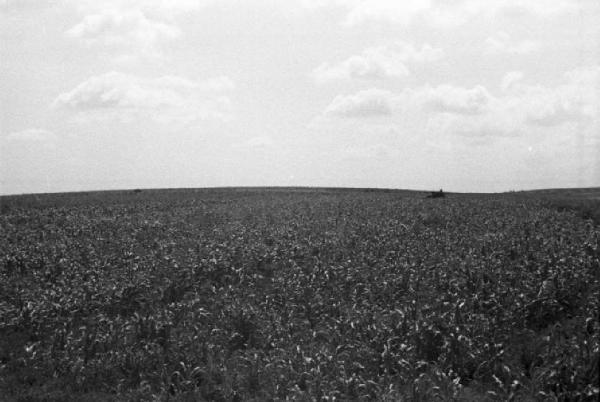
x=383 y=189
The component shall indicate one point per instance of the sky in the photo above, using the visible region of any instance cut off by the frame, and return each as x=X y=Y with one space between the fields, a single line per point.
x=464 y=95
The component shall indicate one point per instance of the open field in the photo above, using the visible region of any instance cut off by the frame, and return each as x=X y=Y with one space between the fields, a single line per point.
x=585 y=202
x=300 y=294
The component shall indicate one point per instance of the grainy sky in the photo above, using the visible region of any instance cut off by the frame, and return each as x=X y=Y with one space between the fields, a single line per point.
x=467 y=95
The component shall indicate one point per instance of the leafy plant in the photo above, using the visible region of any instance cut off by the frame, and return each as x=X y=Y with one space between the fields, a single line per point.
x=297 y=294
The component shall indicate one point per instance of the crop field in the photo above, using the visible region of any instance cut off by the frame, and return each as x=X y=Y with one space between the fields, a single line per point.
x=299 y=294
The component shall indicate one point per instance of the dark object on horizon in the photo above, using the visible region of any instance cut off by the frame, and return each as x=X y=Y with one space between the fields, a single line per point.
x=137 y=190
x=437 y=194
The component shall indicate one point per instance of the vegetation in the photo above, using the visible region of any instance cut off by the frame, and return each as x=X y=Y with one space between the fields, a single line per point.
x=295 y=294
x=584 y=208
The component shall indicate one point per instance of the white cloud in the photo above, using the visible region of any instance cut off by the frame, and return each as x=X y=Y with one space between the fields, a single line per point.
x=577 y=99
x=452 y=99
x=155 y=8
x=541 y=8
x=442 y=99
x=260 y=142
x=440 y=12
x=476 y=112
x=369 y=65
x=359 y=67
x=551 y=108
x=491 y=125
x=586 y=78
x=13 y=5
x=409 y=53
x=131 y=29
x=395 y=11
x=525 y=107
x=168 y=98
x=377 y=63
x=215 y=84
x=501 y=43
x=510 y=79
x=31 y=134
x=367 y=103
x=124 y=31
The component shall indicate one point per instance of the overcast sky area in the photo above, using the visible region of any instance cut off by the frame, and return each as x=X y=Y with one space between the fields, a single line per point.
x=465 y=95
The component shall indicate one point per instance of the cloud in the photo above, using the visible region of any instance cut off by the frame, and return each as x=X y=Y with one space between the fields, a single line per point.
x=540 y=8
x=553 y=110
x=501 y=43
x=442 y=99
x=586 y=78
x=31 y=134
x=215 y=84
x=20 y=5
x=575 y=100
x=364 y=67
x=442 y=13
x=160 y=9
x=131 y=29
x=367 y=103
x=377 y=63
x=168 y=98
x=475 y=112
x=124 y=31
x=452 y=99
x=256 y=143
x=491 y=125
x=402 y=12
x=526 y=107
x=510 y=79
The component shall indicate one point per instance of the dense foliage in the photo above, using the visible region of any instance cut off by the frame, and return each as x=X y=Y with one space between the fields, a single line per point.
x=299 y=295
x=585 y=208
